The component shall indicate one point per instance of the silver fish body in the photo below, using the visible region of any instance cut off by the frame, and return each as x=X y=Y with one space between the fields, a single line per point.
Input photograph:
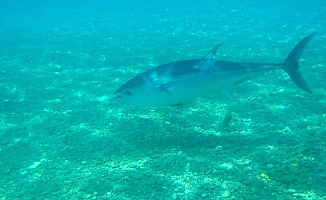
x=182 y=81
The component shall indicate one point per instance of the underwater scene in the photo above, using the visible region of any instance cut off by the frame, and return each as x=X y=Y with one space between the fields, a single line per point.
x=66 y=66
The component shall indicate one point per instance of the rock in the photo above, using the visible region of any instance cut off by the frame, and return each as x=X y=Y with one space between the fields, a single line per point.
x=270 y=166
x=192 y=196
x=297 y=195
x=290 y=191
x=174 y=196
x=5 y=171
x=120 y=187
x=218 y=183
x=288 y=179
x=226 y=194
x=204 y=195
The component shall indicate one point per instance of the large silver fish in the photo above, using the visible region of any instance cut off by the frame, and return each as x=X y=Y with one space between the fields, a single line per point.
x=182 y=81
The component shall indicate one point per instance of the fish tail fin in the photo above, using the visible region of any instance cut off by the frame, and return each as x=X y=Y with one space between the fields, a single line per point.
x=291 y=63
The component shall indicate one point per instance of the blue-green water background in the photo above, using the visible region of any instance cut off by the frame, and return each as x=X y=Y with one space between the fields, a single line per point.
x=61 y=138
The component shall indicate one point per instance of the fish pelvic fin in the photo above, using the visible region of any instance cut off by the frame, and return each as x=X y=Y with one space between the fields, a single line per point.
x=291 y=64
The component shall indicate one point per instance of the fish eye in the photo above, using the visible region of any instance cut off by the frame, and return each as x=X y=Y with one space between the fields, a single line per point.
x=127 y=92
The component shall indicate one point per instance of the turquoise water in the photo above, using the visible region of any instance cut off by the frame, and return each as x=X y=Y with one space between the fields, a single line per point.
x=61 y=138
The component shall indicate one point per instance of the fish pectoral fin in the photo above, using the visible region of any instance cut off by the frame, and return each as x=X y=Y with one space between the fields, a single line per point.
x=229 y=95
x=164 y=88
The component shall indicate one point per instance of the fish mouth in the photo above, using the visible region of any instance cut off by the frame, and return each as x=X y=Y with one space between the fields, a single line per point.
x=118 y=97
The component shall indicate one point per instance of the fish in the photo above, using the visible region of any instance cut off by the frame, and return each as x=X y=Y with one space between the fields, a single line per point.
x=180 y=82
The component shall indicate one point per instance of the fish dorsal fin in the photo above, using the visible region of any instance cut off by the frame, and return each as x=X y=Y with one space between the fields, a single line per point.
x=212 y=52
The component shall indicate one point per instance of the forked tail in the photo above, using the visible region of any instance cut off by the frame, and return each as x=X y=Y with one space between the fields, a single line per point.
x=291 y=64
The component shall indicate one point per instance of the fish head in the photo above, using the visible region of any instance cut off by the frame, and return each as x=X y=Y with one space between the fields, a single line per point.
x=143 y=90
x=122 y=96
